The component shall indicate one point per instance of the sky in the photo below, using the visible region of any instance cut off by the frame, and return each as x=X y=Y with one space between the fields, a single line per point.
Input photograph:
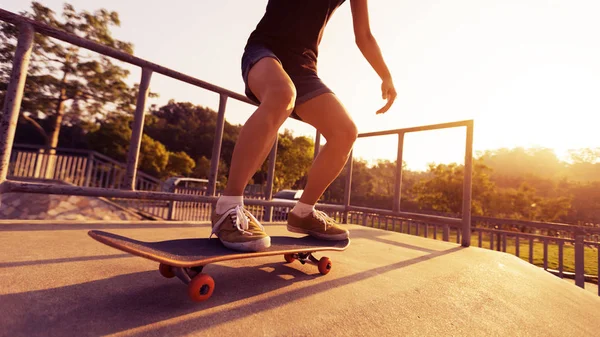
x=526 y=71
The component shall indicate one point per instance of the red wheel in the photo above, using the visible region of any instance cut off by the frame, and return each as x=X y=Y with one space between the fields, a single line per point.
x=201 y=287
x=324 y=265
x=289 y=258
x=165 y=270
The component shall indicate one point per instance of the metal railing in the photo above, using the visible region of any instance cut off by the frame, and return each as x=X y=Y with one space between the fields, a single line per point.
x=14 y=93
x=551 y=246
x=74 y=166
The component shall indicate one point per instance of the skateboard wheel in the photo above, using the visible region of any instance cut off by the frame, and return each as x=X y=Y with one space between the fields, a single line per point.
x=324 y=265
x=165 y=271
x=289 y=258
x=201 y=287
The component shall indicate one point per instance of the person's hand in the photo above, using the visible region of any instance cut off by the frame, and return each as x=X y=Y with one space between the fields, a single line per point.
x=387 y=92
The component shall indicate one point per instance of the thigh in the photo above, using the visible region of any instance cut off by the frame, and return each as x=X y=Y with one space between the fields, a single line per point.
x=327 y=114
x=268 y=74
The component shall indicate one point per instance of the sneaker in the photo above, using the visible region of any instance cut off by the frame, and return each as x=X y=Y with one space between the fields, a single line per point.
x=238 y=229
x=317 y=224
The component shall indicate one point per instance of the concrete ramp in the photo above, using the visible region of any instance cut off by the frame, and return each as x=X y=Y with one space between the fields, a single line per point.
x=56 y=281
x=61 y=207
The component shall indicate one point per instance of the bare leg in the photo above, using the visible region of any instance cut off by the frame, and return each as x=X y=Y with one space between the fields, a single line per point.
x=330 y=118
x=269 y=82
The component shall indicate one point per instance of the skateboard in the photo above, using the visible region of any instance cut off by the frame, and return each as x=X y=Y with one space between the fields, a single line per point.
x=186 y=258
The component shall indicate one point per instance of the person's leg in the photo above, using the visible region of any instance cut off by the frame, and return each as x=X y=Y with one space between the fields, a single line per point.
x=276 y=92
x=272 y=87
x=330 y=118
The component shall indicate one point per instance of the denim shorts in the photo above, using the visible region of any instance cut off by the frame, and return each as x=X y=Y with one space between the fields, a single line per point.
x=307 y=86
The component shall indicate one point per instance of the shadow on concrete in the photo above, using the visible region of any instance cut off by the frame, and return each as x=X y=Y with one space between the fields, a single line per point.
x=134 y=300
x=129 y=301
x=375 y=236
x=62 y=260
x=18 y=227
x=198 y=324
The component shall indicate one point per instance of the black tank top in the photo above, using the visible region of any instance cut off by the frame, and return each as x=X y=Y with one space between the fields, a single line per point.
x=293 y=29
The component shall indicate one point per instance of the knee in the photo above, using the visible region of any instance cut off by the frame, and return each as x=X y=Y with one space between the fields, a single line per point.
x=346 y=134
x=281 y=98
x=351 y=133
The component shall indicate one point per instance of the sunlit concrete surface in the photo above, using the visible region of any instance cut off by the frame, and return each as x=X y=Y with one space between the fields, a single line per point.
x=56 y=281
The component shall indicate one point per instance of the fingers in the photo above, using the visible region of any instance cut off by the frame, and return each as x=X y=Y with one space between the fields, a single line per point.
x=390 y=94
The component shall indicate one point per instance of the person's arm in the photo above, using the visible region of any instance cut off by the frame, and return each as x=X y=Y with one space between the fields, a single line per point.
x=370 y=50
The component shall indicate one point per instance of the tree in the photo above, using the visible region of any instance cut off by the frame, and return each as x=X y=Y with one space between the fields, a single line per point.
x=585 y=166
x=66 y=84
x=586 y=203
x=384 y=173
x=202 y=171
x=509 y=164
x=154 y=157
x=182 y=126
x=362 y=185
x=113 y=136
x=443 y=191
x=179 y=164
x=294 y=158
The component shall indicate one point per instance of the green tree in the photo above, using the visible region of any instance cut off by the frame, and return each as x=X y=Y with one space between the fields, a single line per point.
x=112 y=138
x=442 y=192
x=586 y=203
x=179 y=164
x=511 y=165
x=294 y=158
x=384 y=173
x=191 y=129
x=154 y=157
x=362 y=185
x=202 y=171
x=65 y=83
x=585 y=165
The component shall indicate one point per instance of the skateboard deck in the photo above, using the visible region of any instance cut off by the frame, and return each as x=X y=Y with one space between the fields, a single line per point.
x=185 y=258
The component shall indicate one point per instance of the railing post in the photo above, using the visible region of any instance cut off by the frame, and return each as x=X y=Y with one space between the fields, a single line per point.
x=398 y=181
x=467 y=188
x=39 y=163
x=89 y=167
x=137 y=131
x=14 y=96
x=348 y=188
x=579 y=260
x=268 y=216
x=172 y=206
x=445 y=233
x=216 y=150
x=317 y=144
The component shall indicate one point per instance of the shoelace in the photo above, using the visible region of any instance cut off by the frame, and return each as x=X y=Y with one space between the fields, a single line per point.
x=239 y=218
x=322 y=217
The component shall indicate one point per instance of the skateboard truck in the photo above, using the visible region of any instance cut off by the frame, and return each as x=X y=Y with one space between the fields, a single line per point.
x=324 y=263
x=201 y=286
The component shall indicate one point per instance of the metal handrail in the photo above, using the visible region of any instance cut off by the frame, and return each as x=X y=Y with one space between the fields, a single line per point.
x=16 y=19
x=27 y=27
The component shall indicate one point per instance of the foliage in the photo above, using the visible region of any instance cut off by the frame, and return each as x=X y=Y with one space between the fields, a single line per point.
x=112 y=139
x=294 y=157
x=202 y=170
x=191 y=129
x=179 y=163
x=65 y=83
